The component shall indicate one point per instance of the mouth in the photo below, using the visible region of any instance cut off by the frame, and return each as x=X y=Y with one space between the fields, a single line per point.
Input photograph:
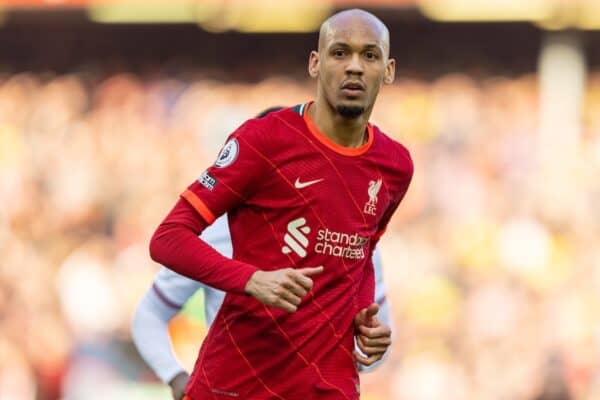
x=353 y=88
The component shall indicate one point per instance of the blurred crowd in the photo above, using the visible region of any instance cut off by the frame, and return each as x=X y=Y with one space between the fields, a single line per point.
x=492 y=263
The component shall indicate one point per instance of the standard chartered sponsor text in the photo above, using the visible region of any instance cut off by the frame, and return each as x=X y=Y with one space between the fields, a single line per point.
x=340 y=244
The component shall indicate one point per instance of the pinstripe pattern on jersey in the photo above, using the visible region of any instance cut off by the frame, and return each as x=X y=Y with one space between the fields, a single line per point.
x=226 y=324
x=214 y=396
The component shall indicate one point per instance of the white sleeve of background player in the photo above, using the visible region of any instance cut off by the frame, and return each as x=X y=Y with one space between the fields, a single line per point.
x=151 y=335
x=384 y=308
x=217 y=235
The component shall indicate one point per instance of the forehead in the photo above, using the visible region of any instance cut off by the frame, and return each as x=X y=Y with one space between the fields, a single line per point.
x=354 y=32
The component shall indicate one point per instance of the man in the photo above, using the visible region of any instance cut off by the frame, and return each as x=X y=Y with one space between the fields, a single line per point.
x=170 y=291
x=309 y=191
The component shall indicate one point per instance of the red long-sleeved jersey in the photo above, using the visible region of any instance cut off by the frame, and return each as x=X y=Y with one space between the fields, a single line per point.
x=295 y=199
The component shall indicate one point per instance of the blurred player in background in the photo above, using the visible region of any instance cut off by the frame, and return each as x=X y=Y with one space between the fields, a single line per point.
x=308 y=191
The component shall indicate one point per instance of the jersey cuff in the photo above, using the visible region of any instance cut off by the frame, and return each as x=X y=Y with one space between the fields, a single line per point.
x=199 y=206
x=169 y=373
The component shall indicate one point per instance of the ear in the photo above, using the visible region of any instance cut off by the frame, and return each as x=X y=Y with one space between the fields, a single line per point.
x=313 y=64
x=390 y=72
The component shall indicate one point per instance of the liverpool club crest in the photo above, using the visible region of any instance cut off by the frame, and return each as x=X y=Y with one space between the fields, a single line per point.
x=371 y=205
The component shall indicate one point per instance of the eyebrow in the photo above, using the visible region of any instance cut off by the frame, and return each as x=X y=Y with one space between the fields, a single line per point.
x=367 y=46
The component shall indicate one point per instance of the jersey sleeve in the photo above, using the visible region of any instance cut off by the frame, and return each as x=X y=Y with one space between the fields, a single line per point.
x=175 y=244
x=236 y=174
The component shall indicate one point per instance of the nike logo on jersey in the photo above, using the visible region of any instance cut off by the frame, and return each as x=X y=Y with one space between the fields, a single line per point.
x=302 y=185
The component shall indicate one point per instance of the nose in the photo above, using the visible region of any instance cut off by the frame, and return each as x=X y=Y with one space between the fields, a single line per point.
x=354 y=65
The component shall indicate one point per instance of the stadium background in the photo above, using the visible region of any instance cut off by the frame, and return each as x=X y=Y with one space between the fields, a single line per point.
x=109 y=108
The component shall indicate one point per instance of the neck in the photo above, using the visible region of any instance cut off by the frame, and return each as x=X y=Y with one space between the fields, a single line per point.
x=343 y=131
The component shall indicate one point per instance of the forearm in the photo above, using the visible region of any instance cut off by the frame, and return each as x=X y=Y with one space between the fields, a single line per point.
x=176 y=244
x=151 y=336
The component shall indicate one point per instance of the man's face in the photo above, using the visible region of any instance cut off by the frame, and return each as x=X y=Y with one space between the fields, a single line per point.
x=351 y=65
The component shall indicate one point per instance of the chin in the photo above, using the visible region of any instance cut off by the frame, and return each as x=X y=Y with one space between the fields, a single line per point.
x=350 y=110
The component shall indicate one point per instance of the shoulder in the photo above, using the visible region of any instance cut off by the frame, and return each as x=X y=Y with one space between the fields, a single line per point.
x=394 y=151
x=266 y=131
x=281 y=120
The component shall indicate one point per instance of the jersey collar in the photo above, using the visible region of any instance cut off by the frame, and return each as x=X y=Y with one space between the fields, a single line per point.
x=347 y=151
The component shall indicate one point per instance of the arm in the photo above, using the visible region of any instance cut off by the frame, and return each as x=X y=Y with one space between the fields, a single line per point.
x=163 y=300
x=234 y=177
x=176 y=244
x=218 y=236
x=151 y=336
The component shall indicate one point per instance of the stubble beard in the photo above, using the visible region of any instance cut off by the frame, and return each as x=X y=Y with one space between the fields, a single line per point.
x=350 y=112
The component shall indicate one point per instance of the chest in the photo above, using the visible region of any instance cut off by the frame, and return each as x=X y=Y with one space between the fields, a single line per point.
x=341 y=194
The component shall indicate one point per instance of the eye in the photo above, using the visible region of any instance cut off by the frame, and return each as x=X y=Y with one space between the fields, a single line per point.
x=339 y=53
x=371 y=55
